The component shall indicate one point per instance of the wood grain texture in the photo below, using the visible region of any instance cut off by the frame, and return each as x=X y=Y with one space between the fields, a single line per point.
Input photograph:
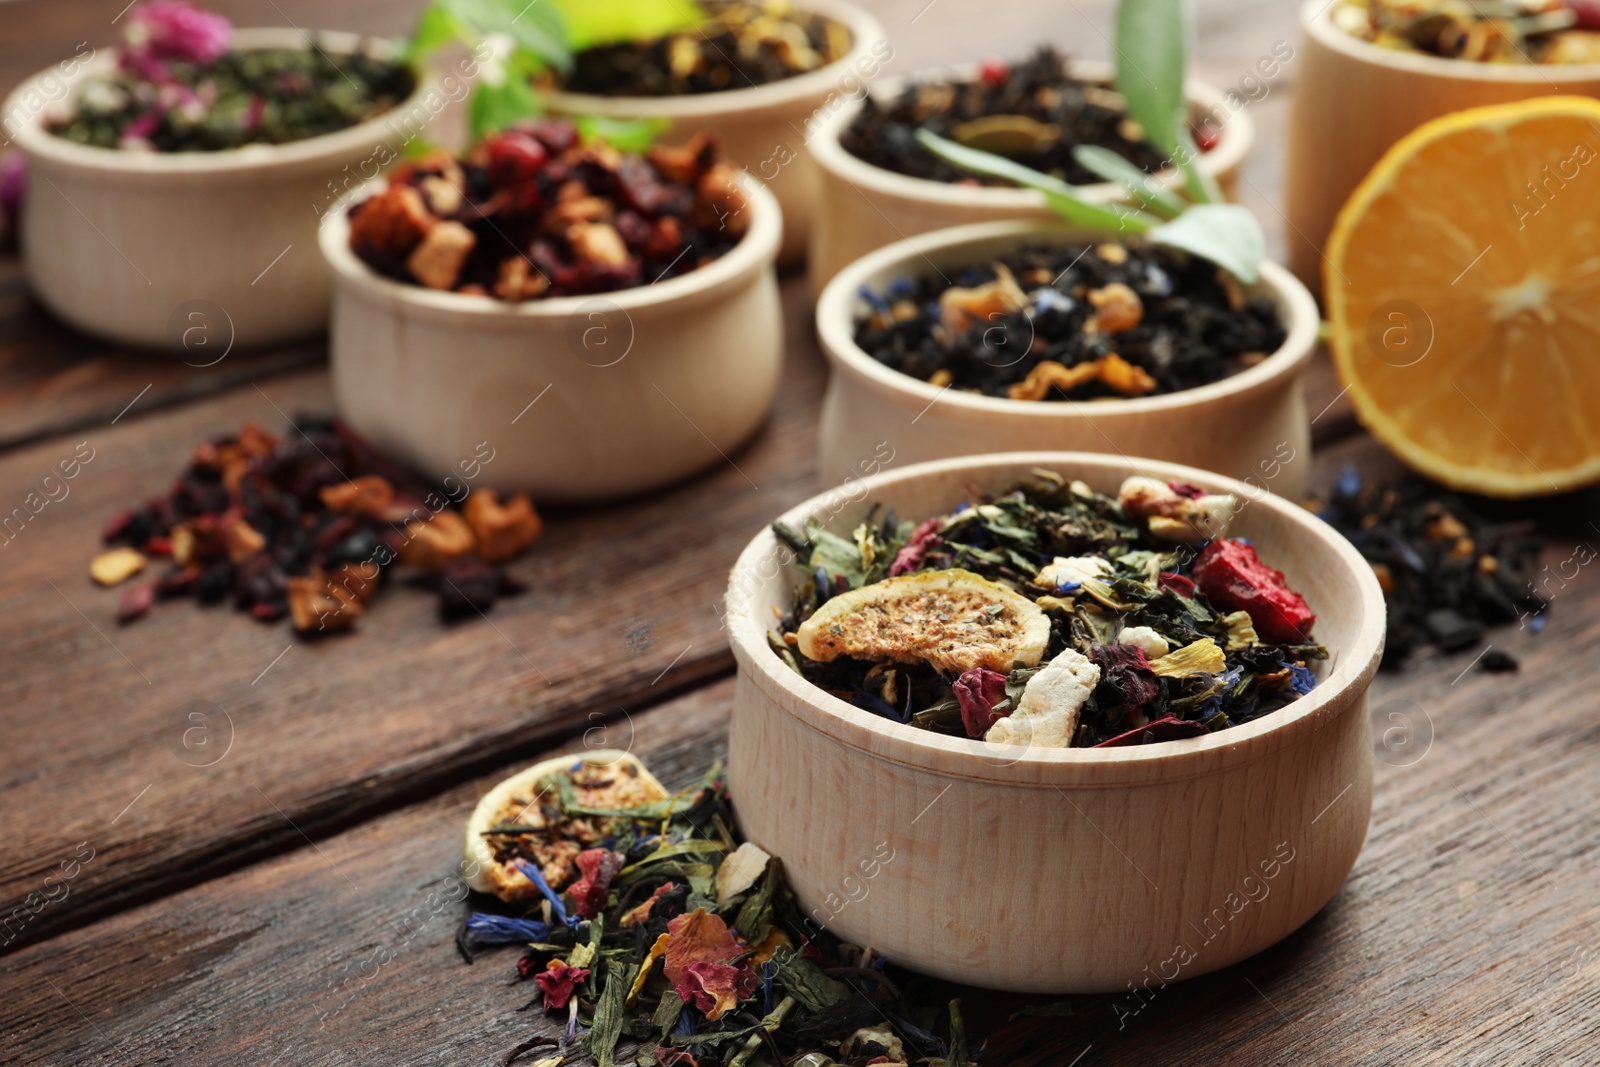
x=623 y=610
x=1463 y=935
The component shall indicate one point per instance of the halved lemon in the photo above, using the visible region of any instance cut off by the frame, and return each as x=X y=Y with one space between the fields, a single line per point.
x=1463 y=297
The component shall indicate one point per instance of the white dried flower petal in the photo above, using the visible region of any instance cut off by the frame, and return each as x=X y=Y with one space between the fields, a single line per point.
x=739 y=871
x=1155 y=646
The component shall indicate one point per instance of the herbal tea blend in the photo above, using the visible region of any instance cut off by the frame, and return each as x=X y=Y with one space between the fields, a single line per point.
x=741 y=44
x=181 y=86
x=533 y=211
x=1446 y=571
x=1052 y=615
x=1485 y=31
x=1073 y=322
x=1035 y=112
x=310 y=525
x=648 y=922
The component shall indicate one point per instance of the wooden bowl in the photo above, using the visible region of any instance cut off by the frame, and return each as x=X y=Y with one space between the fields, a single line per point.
x=193 y=252
x=862 y=207
x=763 y=128
x=1057 y=870
x=1352 y=100
x=580 y=397
x=1251 y=425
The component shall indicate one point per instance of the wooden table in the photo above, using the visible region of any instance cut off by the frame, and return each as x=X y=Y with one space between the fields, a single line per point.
x=287 y=901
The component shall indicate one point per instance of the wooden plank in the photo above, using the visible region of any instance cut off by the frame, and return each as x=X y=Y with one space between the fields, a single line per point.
x=624 y=610
x=1460 y=937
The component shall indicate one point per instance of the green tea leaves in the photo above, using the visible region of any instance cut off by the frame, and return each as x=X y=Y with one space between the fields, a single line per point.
x=1113 y=168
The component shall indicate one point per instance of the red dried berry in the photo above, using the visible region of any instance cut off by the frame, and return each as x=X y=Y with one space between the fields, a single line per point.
x=1234 y=579
x=994 y=73
x=117 y=526
x=158 y=546
x=1177 y=583
x=1587 y=12
x=135 y=601
x=515 y=158
x=1206 y=137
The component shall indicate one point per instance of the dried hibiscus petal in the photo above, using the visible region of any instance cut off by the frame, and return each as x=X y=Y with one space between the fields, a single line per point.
x=598 y=867
x=559 y=982
x=1233 y=578
x=1168 y=728
x=978 y=691
x=923 y=539
x=1125 y=675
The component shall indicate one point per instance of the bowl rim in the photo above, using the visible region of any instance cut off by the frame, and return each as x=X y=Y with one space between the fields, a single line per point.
x=1235 y=138
x=1350 y=673
x=37 y=142
x=835 y=329
x=756 y=250
x=1316 y=21
x=865 y=31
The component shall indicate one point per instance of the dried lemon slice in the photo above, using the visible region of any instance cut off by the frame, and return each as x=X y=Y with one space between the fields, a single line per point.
x=606 y=778
x=953 y=620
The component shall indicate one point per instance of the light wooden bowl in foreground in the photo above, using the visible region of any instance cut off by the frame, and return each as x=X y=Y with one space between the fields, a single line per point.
x=1353 y=100
x=863 y=207
x=1057 y=870
x=1251 y=425
x=579 y=397
x=762 y=127
x=194 y=252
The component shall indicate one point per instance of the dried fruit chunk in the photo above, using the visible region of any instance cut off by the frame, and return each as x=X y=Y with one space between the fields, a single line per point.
x=1193 y=515
x=437 y=260
x=368 y=495
x=1232 y=577
x=393 y=221
x=960 y=308
x=605 y=779
x=116 y=566
x=1047 y=374
x=503 y=531
x=1124 y=377
x=1047 y=714
x=1117 y=308
x=432 y=543
x=316 y=605
x=953 y=620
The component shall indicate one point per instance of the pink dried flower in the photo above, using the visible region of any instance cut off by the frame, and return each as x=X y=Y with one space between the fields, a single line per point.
x=176 y=29
x=978 y=691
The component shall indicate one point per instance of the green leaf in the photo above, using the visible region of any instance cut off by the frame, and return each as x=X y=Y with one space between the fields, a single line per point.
x=601 y=1041
x=436 y=27
x=625 y=135
x=1063 y=198
x=535 y=27
x=1152 y=58
x=595 y=22
x=494 y=107
x=1113 y=168
x=1226 y=234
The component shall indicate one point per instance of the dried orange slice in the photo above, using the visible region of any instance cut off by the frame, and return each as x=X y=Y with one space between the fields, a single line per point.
x=1463 y=297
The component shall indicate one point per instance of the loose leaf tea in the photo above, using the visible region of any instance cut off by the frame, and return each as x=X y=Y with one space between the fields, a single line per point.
x=738 y=45
x=649 y=924
x=311 y=526
x=1035 y=112
x=1447 y=572
x=1483 y=31
x=1052 y=615
x=180 y=86
x=535 y=211
x=1072 y=322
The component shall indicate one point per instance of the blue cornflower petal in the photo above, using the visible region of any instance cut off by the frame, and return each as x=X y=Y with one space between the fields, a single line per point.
x=486 y=929
x=766 y=988
x=1537 y=622
x=879 y=304
x=1301 y=680
x=1349 y=483
x=685 y=1024
x=537 y=878
x=1068 y=587
x=901 y=288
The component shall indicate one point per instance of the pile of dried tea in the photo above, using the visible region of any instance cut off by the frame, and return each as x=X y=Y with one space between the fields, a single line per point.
x=1052 y=616
x=311 y=526
x=1481 y=31
x=649 y=924
x=180 y=86
x=740 y=44
x=1072 y=322
x=533 y=212
x=1447 y=572
x=1034 y=112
